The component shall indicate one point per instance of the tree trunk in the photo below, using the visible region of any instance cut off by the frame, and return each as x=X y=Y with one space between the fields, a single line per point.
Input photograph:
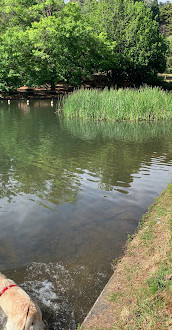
x=109 y=79
x=114 y=77
x=53 y=86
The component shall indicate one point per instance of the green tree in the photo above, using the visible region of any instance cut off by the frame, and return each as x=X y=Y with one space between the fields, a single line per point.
x=25 y=12
x=47 y=41
x=140 y=48
x=14 y=58
x=169 y=58
x=166 y=18
x=154 y=6
x=57 y=47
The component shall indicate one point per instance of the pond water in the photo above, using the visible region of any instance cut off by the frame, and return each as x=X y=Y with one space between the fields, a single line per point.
x=70 y=193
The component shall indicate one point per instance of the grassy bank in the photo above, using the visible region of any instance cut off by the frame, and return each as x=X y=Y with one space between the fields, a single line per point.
x=123 y=104
x=139 y=295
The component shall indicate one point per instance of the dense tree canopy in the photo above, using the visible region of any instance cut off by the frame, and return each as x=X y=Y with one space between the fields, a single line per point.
x=44 y=41
x=169 y=59
x=166 y=18
x=153 y=5
x=140 y=49
x=166 y=29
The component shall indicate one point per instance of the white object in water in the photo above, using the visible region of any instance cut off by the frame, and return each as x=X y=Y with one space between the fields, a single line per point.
x=9 y=101
x=27 y=102
x=52 y=103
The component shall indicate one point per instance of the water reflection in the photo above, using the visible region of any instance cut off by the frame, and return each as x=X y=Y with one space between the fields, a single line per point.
x=70 y=192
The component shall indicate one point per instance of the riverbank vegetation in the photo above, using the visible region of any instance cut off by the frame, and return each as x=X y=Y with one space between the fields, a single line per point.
x=139 y=294
x=47 y=41
x=122 y=104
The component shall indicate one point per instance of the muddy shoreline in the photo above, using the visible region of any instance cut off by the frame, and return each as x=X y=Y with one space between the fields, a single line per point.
x=42 y=92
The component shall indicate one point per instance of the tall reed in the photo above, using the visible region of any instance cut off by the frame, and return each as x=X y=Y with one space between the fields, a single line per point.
x=145 y=103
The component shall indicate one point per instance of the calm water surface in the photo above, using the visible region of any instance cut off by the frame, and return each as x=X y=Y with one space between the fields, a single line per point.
x=70 y=193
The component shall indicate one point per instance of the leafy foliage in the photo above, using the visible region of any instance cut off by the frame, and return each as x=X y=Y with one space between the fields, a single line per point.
x=47 y=41
x=169 y=59
x=140 y=48
x=166 y=29
x=51 y=49
x=153 y=5
x=166 y=18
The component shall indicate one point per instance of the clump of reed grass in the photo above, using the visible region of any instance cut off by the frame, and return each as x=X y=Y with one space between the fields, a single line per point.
x=146 y=103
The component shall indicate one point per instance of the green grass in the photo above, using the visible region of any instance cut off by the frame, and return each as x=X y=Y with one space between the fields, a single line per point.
x=154 y=301
x=161 y=280
x=145 y=103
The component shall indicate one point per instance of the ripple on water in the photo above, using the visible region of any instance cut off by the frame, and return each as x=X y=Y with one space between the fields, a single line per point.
x=71 y=192
x=59 y=291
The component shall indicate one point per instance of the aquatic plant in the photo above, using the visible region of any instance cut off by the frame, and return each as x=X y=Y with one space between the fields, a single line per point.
x=146 y=103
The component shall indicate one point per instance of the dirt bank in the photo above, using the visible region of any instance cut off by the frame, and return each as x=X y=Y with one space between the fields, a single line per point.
x=139 y=294
x=43 y=92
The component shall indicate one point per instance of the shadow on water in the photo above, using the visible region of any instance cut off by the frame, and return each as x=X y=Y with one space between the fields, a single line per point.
x=71 y=192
